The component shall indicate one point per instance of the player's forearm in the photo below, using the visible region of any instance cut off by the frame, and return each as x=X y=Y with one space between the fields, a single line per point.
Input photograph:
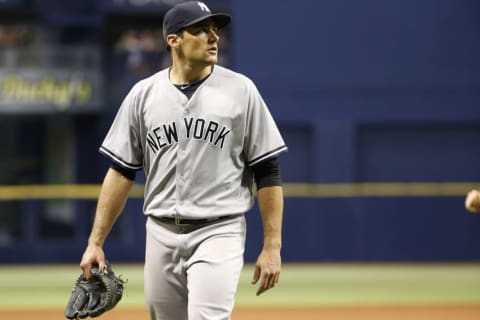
x=111 y=201
x=270 y=201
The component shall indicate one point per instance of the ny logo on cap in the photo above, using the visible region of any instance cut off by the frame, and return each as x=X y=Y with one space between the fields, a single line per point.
x=203 y=6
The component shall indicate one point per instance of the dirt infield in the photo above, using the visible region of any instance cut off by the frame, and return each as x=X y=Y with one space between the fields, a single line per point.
x=277 y=313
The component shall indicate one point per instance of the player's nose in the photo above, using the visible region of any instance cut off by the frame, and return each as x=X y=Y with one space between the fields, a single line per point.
x=212 y=35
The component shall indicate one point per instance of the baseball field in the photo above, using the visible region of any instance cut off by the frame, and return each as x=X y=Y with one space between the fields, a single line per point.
x=306 y=291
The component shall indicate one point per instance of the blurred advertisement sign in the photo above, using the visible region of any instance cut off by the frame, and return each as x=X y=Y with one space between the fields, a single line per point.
x=45 y=91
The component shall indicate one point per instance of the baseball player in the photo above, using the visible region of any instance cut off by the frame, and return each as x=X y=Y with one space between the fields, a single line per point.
x=472 y=201
x=203 y=135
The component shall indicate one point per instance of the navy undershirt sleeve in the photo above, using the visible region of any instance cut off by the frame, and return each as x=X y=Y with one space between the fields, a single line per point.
x=267 y=173
x=130 y=174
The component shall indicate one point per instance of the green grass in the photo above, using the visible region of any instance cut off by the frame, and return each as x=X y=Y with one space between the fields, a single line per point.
x=364 y=284
x=43 y=286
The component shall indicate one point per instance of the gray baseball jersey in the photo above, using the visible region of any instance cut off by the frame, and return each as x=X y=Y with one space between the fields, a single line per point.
x=196 y=152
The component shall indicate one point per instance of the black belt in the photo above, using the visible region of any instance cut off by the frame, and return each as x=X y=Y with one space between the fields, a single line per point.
x=195 y=222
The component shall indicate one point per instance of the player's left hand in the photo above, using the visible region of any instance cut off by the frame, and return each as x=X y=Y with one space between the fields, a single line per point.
x=472 y=201
x=267 y=270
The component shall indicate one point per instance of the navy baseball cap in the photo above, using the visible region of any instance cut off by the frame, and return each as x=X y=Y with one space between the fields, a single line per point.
x=188 y=13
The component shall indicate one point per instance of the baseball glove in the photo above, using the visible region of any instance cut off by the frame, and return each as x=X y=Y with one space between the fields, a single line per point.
x=93 y=297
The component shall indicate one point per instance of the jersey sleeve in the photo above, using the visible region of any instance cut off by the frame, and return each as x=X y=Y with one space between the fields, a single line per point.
x=122 y=143
x=262 y=139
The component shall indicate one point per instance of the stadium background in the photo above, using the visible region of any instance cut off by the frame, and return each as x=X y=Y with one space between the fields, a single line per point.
x=378 y=102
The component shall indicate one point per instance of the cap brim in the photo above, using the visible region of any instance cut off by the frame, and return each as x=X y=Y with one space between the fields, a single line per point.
x=220 y=19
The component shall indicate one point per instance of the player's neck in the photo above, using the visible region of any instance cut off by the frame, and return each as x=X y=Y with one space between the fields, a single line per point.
x=182 y=73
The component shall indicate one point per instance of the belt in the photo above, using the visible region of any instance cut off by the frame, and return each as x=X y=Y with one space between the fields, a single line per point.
x=195 y=222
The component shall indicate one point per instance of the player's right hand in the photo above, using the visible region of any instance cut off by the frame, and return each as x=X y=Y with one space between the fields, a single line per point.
x=92 y=255
x=472 y=201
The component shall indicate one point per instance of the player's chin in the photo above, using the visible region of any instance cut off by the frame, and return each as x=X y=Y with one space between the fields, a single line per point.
x=212 y=57
x=212 y=60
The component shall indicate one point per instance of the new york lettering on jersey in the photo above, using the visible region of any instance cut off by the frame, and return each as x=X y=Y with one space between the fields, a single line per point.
x=200 y=129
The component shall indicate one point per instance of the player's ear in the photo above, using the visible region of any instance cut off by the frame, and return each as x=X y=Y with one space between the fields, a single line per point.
x=173 y=40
